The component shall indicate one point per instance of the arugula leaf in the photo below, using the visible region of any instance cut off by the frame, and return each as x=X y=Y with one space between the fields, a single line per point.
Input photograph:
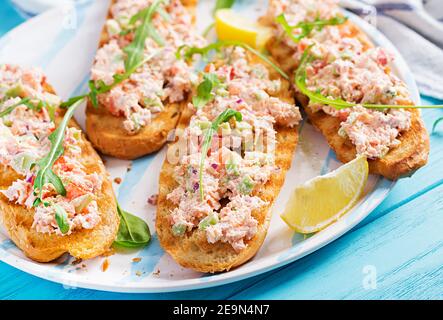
x=316 y=97
x=223 y=117
x=162 y=12
x=34 y=104
x=307 y=27
x=45 y=174
x=49 y=107
x=100 y=87
x=135 y=50
x=135 y=56
x=8 y=110
x=186 y=52
x=61 y=217
x=204 y=90
x=133 y=232
x=68 y=103
x=436 y=124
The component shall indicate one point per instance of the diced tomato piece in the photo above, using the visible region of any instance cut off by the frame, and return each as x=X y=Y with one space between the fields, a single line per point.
x=73 y=191
x=232 y=74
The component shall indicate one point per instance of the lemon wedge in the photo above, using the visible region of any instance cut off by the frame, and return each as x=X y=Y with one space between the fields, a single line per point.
x=229 y=25
x=321 y=201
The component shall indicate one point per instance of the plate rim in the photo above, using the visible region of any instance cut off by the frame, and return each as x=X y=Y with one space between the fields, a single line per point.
x=381 y=190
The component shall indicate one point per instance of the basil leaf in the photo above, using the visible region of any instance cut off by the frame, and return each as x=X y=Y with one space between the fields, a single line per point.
x=133 y=232
x=61 y=217
x=225 y=116
x=45 y=174
x=204 y=90
x=186 y=52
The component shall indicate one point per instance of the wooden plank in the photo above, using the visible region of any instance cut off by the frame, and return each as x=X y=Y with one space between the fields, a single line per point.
x=16 y=284
x=405 y=247
x=425 y=179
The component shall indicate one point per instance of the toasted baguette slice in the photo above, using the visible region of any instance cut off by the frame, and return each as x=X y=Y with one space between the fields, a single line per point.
x=193 y=250
x=106 y=131
x=400 y=161
x=82 y=244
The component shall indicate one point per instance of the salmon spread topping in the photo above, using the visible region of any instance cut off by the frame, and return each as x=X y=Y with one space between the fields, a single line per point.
x=241 y=158
x=24 y=140
x=342 y=68
x=163 y=78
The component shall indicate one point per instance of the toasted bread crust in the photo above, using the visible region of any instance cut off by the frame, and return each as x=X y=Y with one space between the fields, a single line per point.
x=108 y=135
x=106 y=131
x=193 y=250
x=400 y=161
x=83 y=244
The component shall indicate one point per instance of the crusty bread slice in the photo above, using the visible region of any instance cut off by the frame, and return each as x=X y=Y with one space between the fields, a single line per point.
x=193 y=250
x=402 y=160
x=109 y=137
x=106 y=131
x=82 y=244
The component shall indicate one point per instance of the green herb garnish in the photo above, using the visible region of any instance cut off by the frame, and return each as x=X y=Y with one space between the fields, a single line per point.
x=134 y=56
x=186 y=52
x=223 y=117
x=100 y=87
x=133 y=232
x=148 y=12
x=178 y=229
x=307 y=27
x=45 y=174
x=317 y=97
x=135 y=50
x=61 y=217
x=246 y=185
x=210 y=220
x=8 y=110
x=208 y=29
x=32 y=104
x=204 y=90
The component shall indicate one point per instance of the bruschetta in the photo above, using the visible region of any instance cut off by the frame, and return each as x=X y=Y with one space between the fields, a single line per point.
x=81 y=220
x=214 y=204
x=345 y=65
x=136 y=116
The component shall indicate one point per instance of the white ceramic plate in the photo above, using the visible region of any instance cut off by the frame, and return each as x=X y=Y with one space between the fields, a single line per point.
x=63 y=43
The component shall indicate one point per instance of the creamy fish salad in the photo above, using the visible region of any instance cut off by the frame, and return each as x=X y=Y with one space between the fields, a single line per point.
x=162 y=79
x=343 y=68
x=24 y=140
x=242 y=154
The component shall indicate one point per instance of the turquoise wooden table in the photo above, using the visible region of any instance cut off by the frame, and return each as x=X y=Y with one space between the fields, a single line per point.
x=395 y=253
